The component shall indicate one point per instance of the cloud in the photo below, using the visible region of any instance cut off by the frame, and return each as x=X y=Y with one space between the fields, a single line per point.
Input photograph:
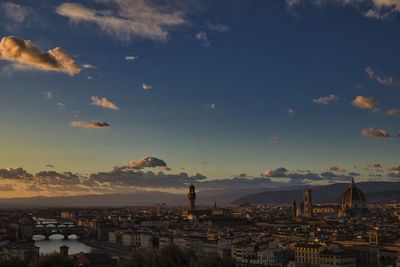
x=148 y=179
x=56 y=178
x=291 y=111
x=88 y=66
x=335 y=177
x=395 y=168
x=335 y=169
x=217 y=27
x=7 y=188
x=376 y=167
x=293 y=3
x=48 y=95
x=104 y=103
x=17 y=173
x=276 y=139
x=278 y=172
x=365 y=102
x=395 y=174
x=146 y=87
x=146 y=162
x=89 y=124
x=303 y=177
x=131 y=58
x=374 y=133
x=374 y=9
x=211 y=106
x=393 y=112
x=202 y=37
x=26 y=55
x=18 y=14
x=325 y=100
x=372 y=74
x=127 y=19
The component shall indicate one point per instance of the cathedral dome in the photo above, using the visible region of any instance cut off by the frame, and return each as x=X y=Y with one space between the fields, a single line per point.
x=353 y=198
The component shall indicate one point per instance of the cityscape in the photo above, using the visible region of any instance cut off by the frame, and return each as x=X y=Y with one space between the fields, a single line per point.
x=198 y=133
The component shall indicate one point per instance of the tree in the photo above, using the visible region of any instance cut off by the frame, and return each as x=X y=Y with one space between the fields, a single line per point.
x=13 y=263
x=52 y=260
x=212 y=260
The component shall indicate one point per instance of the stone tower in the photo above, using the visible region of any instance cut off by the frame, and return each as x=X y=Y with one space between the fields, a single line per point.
x=192 y=197
x=308 y=205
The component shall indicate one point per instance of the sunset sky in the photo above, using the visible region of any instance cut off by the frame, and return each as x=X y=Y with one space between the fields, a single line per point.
x=119 y=95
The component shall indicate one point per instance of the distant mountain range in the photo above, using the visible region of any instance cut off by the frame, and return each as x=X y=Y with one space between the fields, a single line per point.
x=374 y=192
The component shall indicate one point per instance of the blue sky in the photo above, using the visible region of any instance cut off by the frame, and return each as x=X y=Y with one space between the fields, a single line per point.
x=222 y=78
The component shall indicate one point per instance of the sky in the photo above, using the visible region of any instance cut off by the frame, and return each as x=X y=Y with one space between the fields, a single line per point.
x=114 y=95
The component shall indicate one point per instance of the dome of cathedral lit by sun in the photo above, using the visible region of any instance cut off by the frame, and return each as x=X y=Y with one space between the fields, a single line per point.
x=353 y=200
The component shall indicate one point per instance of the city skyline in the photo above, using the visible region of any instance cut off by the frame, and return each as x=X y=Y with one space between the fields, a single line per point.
x=120 y=95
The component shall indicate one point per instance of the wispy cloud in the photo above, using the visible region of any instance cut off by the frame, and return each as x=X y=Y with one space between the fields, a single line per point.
x=276 y=139
x=26 y=54
x=146 y=87
x=211 y=106
x=364 y=102
x=127 y=19
x=374 y=133
x=374 y=9
x=372 y=74
x=18 y=15
x=131 y=58
x=202 y=37
x=217 y=27
x=393 y=112
x=104 y=103
x=88 y=66
x=48 y=94
x=89 y=124
x=146 y=162
x=325 y=100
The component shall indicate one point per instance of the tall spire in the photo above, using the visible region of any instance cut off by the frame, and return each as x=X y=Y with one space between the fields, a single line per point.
x=352 y=181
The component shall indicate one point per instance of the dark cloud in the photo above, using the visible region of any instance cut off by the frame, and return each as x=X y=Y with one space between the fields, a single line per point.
x=89 y=124
x=278 y=172
x=147 y=162
x=336 y=177
x=395 y=174
x=376 y=167
x=56 y=178
x=335 y=169
x=134 y=178
x=18 y=173
x=302 y=177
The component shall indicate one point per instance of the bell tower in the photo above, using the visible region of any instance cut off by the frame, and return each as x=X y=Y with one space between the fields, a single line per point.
x=192 y=197
x=308 y=204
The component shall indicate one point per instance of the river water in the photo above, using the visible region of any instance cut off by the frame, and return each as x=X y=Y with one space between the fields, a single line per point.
x=56 y=241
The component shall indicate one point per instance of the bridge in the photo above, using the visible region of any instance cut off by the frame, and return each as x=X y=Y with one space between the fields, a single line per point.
x=53 y=227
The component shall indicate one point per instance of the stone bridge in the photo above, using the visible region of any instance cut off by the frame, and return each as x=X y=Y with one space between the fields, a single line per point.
x=61 y=229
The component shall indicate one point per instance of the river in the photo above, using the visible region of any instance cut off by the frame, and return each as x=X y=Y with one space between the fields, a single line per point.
x=56 y=241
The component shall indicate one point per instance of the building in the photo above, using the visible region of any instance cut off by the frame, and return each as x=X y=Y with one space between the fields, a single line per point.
x=131 y=239
x=353 y=202
x=192 y=197
x=24 y=252
x=308 y=205
x=342 y=258
x=307 y=254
